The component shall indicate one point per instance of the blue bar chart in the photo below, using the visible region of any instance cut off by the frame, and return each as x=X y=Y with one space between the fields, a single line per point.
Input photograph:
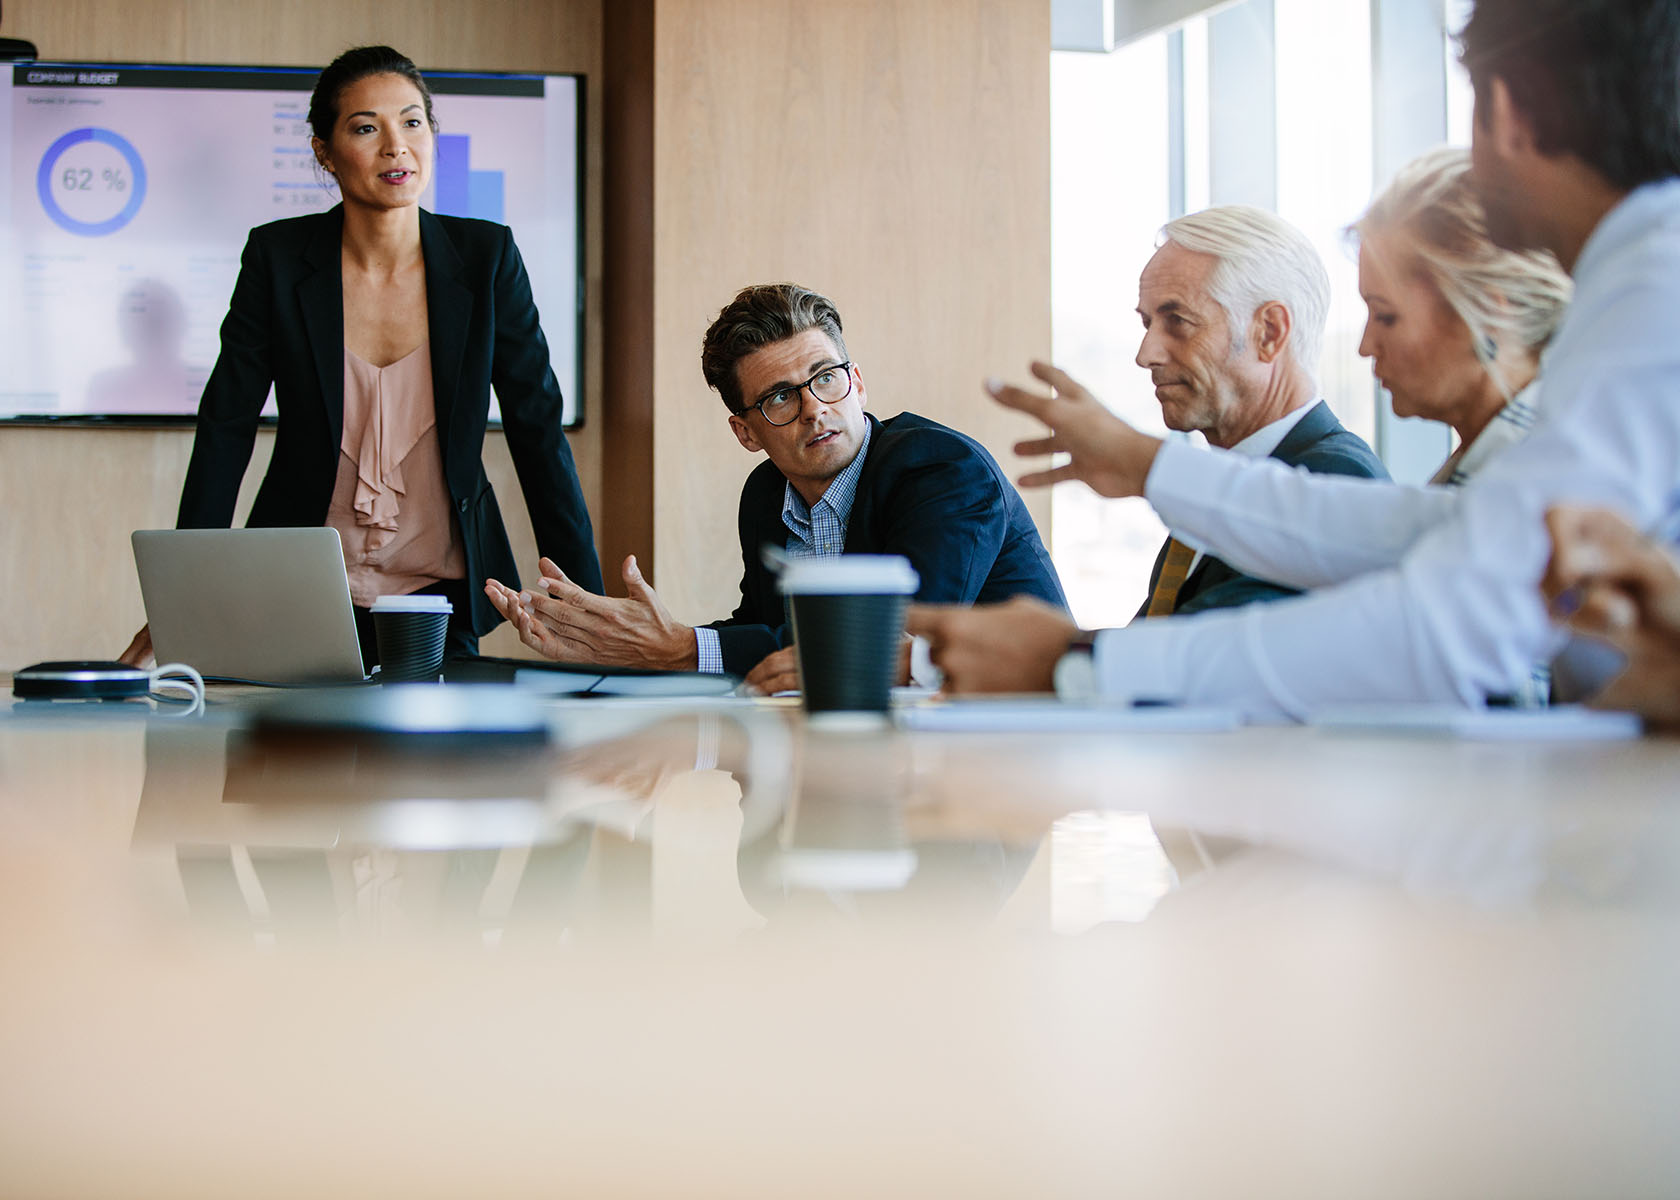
x=462 y=191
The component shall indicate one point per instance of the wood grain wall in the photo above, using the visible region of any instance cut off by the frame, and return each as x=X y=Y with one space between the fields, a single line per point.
x=892 y=154
x=70 y=497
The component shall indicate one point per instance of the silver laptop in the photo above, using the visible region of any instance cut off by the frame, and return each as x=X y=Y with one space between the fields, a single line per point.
x=269 y=605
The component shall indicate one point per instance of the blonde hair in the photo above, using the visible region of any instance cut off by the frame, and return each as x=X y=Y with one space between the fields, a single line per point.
x=1261 y=259
x=1502 y=296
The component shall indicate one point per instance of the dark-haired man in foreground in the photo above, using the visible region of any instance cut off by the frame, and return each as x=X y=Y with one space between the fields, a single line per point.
x=1425 y=594
x=836 y=481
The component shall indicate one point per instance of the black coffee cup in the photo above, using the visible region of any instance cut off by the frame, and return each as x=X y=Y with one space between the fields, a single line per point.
x=411 y=632
x=848 y=619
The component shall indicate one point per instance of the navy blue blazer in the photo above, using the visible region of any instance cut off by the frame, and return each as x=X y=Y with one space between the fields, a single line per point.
x=1322 y=445
x=925 y=491
x=285 y=325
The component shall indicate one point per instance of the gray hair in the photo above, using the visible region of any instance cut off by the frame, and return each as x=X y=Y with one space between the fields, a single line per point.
x=1261 y=259
x=1502 y=296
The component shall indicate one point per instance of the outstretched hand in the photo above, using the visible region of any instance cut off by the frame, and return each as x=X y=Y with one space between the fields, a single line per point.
x=1610 y=582
x=563 y=621
x=1104 y=453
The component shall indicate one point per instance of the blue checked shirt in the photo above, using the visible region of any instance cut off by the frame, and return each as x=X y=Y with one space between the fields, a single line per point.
x=814 y=531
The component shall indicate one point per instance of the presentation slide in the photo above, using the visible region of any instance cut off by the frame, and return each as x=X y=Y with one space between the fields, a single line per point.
x=132 y=189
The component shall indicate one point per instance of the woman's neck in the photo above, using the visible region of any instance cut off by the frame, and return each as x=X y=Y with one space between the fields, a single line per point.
x=1478 y=414
x=381 y=240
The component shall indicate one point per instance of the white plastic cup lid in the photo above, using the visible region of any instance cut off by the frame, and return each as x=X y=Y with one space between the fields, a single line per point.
x=851 y=575
x=412 y=604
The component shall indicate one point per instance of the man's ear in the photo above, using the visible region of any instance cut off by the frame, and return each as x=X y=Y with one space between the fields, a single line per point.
x=857 y=386
x=1272 y=327
x=744 y=433
x=1508 y=127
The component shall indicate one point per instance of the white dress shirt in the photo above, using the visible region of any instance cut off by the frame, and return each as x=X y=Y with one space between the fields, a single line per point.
x=814 y=531
x=1428 y=594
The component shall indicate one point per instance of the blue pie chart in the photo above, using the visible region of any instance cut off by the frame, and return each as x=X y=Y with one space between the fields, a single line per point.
x=91 y=182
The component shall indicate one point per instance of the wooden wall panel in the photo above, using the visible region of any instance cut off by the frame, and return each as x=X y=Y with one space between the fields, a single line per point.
x=626 y=519
x=70 y=497
x=893 y=154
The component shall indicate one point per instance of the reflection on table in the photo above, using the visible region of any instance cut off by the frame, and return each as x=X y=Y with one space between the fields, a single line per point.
x=710 y=949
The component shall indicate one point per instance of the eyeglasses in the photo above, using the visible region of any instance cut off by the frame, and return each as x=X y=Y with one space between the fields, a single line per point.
x=783 y=406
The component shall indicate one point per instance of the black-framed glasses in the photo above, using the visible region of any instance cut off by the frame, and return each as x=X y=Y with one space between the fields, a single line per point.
x=782 y=406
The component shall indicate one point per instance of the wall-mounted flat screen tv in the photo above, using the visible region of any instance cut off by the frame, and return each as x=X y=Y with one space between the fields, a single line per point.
x=129 y=190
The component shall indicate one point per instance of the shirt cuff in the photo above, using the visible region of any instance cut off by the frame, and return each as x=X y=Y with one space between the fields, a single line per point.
x=709 y=651
x=1075 y=677
x=1140 y=662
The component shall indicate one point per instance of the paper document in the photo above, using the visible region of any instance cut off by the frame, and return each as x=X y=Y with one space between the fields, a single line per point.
x=1564 y=722
x=578 y=683
x=1018 y=714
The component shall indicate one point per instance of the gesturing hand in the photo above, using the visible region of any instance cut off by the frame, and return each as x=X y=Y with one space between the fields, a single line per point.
x=1104 y=453
x=562 y=621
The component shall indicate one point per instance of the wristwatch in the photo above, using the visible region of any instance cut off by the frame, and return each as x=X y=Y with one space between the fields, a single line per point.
x=1075 y=677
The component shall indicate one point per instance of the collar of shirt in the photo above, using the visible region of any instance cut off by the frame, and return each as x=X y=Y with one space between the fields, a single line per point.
x=820 y=529
x=1619 y=255
x=1648 y=205
x=1258 y=444
x=1509 y=426
x=1267 y=438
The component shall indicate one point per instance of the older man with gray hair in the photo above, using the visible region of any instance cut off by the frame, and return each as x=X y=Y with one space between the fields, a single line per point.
x=1233 y=306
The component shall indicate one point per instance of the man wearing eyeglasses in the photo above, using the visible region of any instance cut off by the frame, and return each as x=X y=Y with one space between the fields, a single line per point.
x=836 y=481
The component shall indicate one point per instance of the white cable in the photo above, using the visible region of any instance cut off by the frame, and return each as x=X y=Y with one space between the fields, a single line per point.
x=187 y=680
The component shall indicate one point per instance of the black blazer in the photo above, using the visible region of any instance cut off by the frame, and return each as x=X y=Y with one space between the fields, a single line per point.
x=285 y=325
x=925 y=491
x=1318 y=443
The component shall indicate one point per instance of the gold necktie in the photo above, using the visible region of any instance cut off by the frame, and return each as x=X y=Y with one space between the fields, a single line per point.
x=1174 y=568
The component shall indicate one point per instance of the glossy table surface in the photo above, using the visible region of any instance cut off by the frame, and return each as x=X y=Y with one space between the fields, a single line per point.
x=713 y=950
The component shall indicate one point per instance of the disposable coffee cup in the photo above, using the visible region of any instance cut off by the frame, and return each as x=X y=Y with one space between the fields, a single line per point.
x=411 y=632
x=848 y=616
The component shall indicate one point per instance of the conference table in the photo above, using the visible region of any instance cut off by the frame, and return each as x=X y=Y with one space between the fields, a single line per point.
x=714 y=948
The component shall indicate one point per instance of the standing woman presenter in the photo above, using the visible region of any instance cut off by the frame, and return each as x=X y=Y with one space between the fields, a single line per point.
x=382 y=328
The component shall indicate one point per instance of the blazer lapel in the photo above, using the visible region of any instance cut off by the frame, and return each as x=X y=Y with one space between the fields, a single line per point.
x=320 y=295
x=449 y=311
x=1318 y=424
x=860 y=522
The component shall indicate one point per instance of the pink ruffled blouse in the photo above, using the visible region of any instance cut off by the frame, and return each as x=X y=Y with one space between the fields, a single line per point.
x=390 y=504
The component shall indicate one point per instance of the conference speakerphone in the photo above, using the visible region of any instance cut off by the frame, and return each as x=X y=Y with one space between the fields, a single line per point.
x=92 y=679
x=81 y=680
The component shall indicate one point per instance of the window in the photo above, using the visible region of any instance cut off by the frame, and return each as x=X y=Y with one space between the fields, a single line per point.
x=1176 y=121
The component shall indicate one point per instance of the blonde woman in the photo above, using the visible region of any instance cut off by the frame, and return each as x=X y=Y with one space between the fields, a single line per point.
x=1455 y=324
